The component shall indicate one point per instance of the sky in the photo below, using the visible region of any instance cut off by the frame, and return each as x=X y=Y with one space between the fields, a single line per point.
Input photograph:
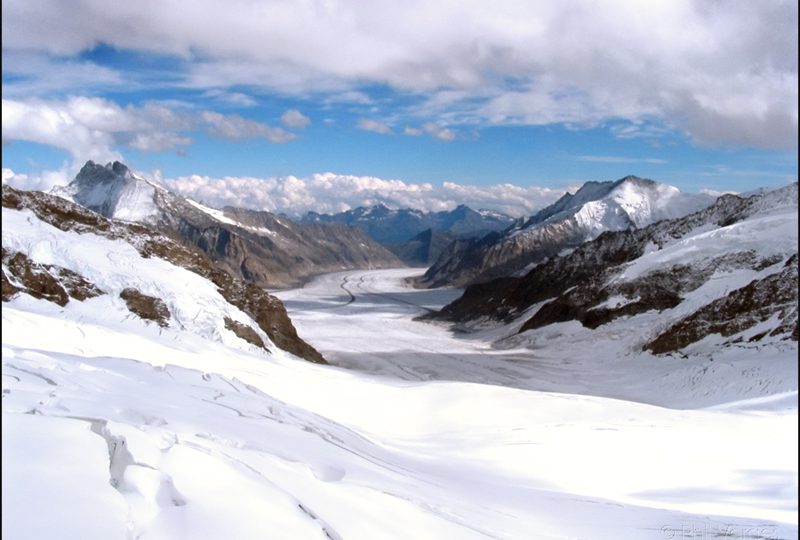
x=323 y=105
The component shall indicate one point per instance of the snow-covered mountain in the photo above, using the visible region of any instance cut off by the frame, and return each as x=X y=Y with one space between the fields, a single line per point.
x=575 y=218
x=729 y=270
x=389 y=226
x=148 y=394
x=104 y=271
x=261 y=247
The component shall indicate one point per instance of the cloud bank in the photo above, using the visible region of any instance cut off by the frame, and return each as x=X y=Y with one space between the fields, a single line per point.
x=332 y=193
x=724 y=72
x=91 y=127
x=325 y=193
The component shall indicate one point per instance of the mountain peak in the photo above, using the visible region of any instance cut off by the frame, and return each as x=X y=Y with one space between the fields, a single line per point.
x=112 y=190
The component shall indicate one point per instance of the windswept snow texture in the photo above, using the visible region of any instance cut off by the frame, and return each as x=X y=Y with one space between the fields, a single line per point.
x=113 y=433
x=114 y=427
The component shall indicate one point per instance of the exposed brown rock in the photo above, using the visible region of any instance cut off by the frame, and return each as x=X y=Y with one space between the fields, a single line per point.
x=582 y=274
x=146 y=307
x=775 y=295
x=45 y=281
x=266 y=310
x=245 y=332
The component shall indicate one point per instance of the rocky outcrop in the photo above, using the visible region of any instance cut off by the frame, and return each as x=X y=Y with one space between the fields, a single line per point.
x=44 y=281
x=590 y=285
x=146 y=307
x=245 y=332
x=266 y=311
x=739 y=310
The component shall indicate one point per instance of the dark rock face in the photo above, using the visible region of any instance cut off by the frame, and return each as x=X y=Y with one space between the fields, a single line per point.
x=423 y=249
x=739 y=310
x=245 y=332
x=45 y=281
x=146 y=307
x=578 y=286
x=266 y=310
x=268 y=250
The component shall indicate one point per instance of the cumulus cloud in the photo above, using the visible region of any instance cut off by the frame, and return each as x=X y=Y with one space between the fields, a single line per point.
x=295 y=119
x=92 y=127
x=159 y=141
x=724 y=72
x=331 y=193
x=368 y=124
x=38 y=182
x=234 y=127
x=439 y=132
x=412 y=132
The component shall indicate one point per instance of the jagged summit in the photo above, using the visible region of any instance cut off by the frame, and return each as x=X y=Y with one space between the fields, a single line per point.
x=748 y=246
x=113 y=191
x=596 y=207
x=253 y=245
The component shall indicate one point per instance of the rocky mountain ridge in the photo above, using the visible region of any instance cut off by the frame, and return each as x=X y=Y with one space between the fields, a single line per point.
x=390 y=226
x=750 y=244
x=244 y=308
x=257 y=246
x=575 y=218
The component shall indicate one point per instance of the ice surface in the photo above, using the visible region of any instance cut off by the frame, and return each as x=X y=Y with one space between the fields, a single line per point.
x=116 y=428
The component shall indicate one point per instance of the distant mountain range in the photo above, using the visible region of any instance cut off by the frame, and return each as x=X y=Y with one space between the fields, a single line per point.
x=258 y=246
x=595 y=208
x=389 y=226
x=730 y=269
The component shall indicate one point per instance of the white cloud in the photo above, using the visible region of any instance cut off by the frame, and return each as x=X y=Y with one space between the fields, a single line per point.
x=295 y=119
x=159 y=141
x=331 y=193
x=236 y=99
x=368 y=124
x=92 y=128
x=725 y=72
x=412 y=132
x=439 y=132
x=39 y=182
x=82 y=127
x=235 y=127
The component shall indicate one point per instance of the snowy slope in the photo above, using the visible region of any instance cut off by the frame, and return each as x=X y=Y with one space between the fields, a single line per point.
x=256 y=246
x=115 y=427
x=126 y=434
x=575 y=218
x=739 y=252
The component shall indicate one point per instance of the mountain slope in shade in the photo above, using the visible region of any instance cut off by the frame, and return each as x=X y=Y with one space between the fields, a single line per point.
x=728 y=270
x=268 y=250
x=110 y=272
x=389 y=226
x=424 y=248
x=575 y=218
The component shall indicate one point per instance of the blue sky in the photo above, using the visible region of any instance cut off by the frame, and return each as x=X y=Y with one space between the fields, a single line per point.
x=541 y=95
